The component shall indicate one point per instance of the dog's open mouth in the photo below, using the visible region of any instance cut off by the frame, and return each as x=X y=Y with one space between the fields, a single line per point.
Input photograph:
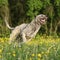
x=42 y=21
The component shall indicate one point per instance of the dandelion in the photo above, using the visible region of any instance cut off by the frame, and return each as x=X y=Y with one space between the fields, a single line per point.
x=14 y=54
x=33 y=55
x=2 y=41
x=39 y=55
x=41 y=42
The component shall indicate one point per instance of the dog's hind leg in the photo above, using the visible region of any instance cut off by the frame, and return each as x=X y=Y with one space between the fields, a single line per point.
x=16 y=32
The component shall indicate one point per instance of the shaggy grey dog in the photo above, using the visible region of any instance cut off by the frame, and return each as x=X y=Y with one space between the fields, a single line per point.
x=28 y=31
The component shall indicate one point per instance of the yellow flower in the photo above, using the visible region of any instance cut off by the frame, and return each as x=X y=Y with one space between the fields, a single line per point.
x=2 y=41
x=0 y=50
x=30 y=58
x=42 y=52
x=41 y=42
x=14 y=54
x=39 y=55
x=39 y=59
x=33 y=55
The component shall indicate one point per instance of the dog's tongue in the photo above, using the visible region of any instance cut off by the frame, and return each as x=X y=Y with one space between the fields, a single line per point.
x=43 y=20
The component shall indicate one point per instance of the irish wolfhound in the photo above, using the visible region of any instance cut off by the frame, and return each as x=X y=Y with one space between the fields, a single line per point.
x=28 y=31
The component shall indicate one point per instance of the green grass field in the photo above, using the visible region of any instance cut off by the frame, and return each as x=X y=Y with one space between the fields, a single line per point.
x=40 y=48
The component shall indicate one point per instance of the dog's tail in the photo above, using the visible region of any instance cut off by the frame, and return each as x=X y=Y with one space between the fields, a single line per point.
x=7 y=24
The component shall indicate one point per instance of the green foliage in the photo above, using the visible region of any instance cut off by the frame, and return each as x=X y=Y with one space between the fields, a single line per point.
x=57 y=6
x=33 y=7
x=21 y=11
x=46 y=3
x=3 y=2
x=57 y=2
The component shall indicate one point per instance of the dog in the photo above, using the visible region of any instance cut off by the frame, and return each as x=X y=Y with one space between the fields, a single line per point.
x=28 y=31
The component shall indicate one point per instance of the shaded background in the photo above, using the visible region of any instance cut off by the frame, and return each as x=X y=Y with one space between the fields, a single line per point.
x=23 y=11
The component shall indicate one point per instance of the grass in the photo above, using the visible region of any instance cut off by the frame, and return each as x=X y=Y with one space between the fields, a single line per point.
x=40 y=48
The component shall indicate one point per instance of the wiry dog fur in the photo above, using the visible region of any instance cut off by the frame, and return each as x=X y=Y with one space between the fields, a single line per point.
x=28 y=31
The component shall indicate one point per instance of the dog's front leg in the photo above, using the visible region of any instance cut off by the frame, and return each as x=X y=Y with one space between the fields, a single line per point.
x=34 y=34
x=23 y=37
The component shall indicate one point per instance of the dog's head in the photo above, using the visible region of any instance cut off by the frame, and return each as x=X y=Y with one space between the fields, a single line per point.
x=41 y=19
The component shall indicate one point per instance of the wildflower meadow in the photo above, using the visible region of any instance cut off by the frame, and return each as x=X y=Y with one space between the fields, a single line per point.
x=39 y=48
